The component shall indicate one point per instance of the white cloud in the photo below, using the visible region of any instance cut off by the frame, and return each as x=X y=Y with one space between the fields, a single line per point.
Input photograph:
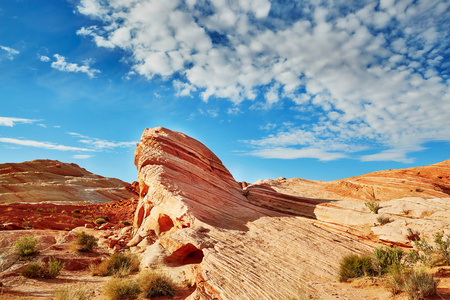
x=11 y=52
x=373 y=74
x=62 y=65
x=42 y=145
x=82 y=156
x=99 y=144
x=44 y=58
x=291 y=153
x=10 y=122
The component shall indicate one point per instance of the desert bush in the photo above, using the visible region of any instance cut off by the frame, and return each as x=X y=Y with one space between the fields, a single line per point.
x=41 y=270
x=443 y=246
x=85 y=242
x=54 y=268
x=373 y=206
x=26 y=224
x=119 y=289
x=76 y=216
x=40 y=210
x=419 y=284
x=118 y=264
x=25 y=246
x=386 y=258
x=71 y=293
x=76 y=211
x=99 y=221
x=352 y=266
x=383 y=220
x=33 y=270
x=412 y=257
x=126 y=223
x=154 y=284
x=51 y=210
x=425 y=251
x=396 y=278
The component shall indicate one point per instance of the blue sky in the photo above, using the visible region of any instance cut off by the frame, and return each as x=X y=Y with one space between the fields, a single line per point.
x=318 y=90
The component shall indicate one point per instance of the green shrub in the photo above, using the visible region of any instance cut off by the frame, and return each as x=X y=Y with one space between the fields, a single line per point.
x=41 y=270
x=76 y=216
x=419 y=284
x=154 y=284
x=383 y=220
x=373 y=206
x=51 y=210
x=396 y=278
x=352 y=266
x=120 y=289
x=99 y=221
x=71 y=293
x=386 y=258
x=25 y=246
x=54 y=268
x=425 y=251
x=85 y=242
x=118 y=265
x=33 y=270
x=443 y=246
x=76 y=211
x=40 y=210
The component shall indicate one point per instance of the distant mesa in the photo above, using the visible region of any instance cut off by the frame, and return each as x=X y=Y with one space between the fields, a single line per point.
x=55 y=181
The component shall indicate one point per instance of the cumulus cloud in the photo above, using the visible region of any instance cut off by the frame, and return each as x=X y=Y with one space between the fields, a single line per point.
x=62 y=65
x=10 y=122
x=42 y=145
x=99 y=144
x=374 y=74
x=10 y=52
x=44 y=58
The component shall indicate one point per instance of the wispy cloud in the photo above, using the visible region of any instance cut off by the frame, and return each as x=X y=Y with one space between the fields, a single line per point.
x=10 y=52
x=10 y=122
x=42 y=145
x=62 y=65
x=82 y=156
x=374 y=73
x=291 y=153
x=99 y=144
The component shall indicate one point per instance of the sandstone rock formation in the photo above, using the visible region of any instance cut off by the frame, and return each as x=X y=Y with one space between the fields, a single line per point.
x=275 y=237
x=54 y=181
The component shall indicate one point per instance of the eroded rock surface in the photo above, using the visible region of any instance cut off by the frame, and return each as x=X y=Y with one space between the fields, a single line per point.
x=54 y=181
x=273 y=238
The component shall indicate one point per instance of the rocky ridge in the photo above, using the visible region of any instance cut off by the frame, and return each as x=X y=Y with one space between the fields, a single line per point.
x=54 y=181
x=273 y=238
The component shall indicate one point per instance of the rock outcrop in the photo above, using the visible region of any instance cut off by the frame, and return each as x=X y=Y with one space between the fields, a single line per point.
x=54 y=181
x=273 y=238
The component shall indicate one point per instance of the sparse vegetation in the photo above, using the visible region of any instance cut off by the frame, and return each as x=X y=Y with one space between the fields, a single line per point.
x=383 y=220
x=373 y=206
x=154 y=284
x=85 y=242
x=27 y=224
x=118 y=264
x=41 y=270
x=443 y=246
x=76 y=211
x=353 y=266
x=400 y=267
x=419 y=284
x=51 y=210
x=386 y=258
x=25 y=246
x=99 y=221
x=71 y=293
x=76 y=216
x=40 y=210
x=120 y=289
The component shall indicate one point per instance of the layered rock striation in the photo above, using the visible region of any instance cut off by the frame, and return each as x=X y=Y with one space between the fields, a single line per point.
x=54 y=181
x=272 y=238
